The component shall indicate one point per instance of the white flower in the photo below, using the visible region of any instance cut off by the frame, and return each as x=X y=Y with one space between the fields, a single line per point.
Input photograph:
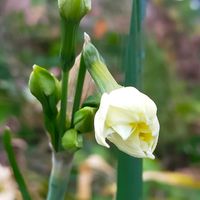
x=127 y=118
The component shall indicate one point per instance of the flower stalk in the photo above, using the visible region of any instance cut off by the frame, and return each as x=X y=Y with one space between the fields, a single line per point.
x=71 y=12
x=63 y=106
x=67 y=59
x=61 y=167
x=68 y=38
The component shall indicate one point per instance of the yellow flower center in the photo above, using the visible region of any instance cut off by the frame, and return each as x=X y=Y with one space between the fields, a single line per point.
x=143 y=130
x=147 y=137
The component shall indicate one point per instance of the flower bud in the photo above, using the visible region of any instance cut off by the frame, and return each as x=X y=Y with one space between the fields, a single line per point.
x=72 y=141
x=45 y=87
x=74 y=10
x=84 y=119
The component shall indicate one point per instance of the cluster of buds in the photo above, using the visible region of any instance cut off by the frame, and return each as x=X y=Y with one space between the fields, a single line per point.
x=47 y=88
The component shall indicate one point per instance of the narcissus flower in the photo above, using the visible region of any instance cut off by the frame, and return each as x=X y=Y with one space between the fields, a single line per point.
x=127 y=118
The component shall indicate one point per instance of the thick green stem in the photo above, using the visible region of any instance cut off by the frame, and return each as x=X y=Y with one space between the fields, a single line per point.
x=63 y=107
x=61 y=167
x=129 y=179
x=68 y=39
x=67 y=59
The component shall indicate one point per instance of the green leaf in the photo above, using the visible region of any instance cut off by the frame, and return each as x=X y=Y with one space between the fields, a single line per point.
x=129 y=183
x=11 y=157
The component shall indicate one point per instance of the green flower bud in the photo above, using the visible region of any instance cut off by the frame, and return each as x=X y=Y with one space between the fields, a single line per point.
x=72 y=141
x=45 y=87
x=74 y=10
x=84 y=119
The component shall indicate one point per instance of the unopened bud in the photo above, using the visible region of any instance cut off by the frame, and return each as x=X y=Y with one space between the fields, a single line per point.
x=74 y=10
x=45 y=87
x=84 y=119
x=72 y=141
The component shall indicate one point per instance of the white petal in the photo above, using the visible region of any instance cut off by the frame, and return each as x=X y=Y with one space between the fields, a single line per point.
x=155 y=126
x=125 y=97
x=123 y=130
x=150 y=155
x=118 y=115
x=131 y=99
x=153 y=146
x=133 y=150
x=99 y=121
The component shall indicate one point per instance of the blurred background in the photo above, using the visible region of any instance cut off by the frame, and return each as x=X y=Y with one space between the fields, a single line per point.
x=29 y=34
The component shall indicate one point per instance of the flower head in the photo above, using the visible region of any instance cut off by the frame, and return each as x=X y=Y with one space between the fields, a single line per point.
x=127 y=118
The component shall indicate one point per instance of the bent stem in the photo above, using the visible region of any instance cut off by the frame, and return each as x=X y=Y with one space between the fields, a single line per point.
x=61 y=167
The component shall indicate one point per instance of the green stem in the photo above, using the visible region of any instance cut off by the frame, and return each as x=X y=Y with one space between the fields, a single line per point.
x=129 y=178
x=68 y=39
x=61 y=167
x=52 y=127
x=11 y=157
x=79 y=88
x=62 y=161
x=63 y=107
x=67 y=59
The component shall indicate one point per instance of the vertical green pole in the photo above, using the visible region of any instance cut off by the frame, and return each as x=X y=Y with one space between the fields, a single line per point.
x=129 y=177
